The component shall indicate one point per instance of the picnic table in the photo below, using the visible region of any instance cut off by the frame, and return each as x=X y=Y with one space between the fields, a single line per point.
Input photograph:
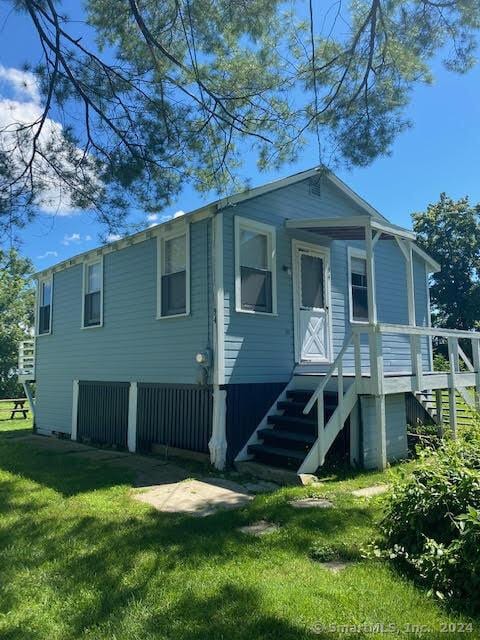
x=19 y=407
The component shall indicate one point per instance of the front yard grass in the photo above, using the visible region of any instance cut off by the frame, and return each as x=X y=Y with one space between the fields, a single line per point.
x=80 y=559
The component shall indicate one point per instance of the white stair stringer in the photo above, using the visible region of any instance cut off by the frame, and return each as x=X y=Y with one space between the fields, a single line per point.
x=263 y=424
x=315 y=458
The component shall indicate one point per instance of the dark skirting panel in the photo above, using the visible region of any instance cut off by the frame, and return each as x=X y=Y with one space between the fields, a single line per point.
x=246 y=406
x=103 y=412
x=174 y=415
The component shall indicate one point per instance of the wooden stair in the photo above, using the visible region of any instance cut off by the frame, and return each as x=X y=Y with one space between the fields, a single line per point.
x=465 y=413
x=290 y=435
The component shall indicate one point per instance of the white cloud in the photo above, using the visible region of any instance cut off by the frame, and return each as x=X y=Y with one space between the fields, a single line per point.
x=152 y=217
x=179 y=213
x=74 y=238
x=48 y=254
x=20 y=105
x=22 y=84
x=113 y=237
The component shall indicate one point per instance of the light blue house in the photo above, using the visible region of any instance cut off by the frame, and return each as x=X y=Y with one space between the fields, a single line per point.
x=285 y=324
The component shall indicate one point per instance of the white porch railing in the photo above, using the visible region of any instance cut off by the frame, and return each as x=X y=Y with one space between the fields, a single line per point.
x=370 y=378
x=26 y=360
x=346 y=401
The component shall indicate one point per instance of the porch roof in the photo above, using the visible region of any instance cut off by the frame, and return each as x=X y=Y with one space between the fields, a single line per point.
x=357 y=228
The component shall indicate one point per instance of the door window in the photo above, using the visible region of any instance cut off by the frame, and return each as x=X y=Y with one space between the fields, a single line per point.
x=312 y=289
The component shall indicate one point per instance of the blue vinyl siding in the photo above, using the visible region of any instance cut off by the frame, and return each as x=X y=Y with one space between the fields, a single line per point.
x=132 y=345
x=261 y=348
x=396 y=429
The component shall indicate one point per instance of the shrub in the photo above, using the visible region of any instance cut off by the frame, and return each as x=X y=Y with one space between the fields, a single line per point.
x=432 y=520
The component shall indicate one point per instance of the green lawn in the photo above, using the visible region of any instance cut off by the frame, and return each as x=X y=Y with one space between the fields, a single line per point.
x=80 y=559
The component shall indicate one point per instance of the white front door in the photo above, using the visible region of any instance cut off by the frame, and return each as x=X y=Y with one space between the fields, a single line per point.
x=311 y=303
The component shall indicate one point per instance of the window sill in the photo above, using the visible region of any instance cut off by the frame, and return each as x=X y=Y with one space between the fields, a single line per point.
x=364 y=322
x=40 y=335
x=93 y=326
x=258 y=313
x=177 y=315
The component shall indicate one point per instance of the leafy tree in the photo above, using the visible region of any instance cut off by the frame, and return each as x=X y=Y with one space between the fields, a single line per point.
x=449 y=231
x=154 y=93
x=16 y=315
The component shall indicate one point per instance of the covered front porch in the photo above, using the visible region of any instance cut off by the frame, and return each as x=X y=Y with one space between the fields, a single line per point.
x=358 y=367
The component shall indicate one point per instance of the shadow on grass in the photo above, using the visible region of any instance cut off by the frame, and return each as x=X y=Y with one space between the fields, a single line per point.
x=124 y=570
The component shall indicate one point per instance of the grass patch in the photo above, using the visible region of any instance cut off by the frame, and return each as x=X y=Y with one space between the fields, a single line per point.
x=80 y=559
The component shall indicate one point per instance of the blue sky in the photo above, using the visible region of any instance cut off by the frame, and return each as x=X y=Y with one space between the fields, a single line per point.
x=439 y=153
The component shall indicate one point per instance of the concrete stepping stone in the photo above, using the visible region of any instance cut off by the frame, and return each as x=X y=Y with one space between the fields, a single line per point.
x=260 y=528
x=335 y=566
x=311 y=503
x=262 y=486
x=194 y=497
x=369 y=492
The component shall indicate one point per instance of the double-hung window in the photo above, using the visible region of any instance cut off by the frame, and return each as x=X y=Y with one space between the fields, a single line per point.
x=255 y=273
x=45 y=288
x=174 y=276
x=93 y=294
x=358 y=285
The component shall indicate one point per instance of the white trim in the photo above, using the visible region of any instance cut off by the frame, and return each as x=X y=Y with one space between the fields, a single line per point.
x=371 y=289
x=324 y=253
x=218 y=442
x=86 y=264
x=184 y=230
x=429 y=317
x=74 y=410
x=132 y=417
x=435 y=266
x=353 y=252
x=38 y=304
x=197 y=215
x=271 y=233
x=219 y=301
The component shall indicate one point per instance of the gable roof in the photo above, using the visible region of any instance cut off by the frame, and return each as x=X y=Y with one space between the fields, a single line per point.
x=217 y=206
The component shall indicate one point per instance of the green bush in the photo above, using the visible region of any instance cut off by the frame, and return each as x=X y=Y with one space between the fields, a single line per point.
x=432 y=520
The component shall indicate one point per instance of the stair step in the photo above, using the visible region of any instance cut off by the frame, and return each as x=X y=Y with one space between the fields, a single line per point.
x=304 y=395
x=296 y=407
x=295 y=438
x=294 y=423
x=277 y=455
x=291 y=405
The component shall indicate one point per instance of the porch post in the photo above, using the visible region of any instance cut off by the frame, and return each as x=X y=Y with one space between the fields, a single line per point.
x=476 y=367
x=454 y=366
x=74 y=410
x=415 y=341
x=371 y=299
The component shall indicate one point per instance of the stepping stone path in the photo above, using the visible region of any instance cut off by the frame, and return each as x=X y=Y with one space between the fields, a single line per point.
x=335 y=566
x=260 y=528
x=195 y=497
x=369 y=492
x=311 y=503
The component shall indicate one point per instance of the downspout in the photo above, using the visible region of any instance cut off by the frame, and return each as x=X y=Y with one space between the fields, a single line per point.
x=218 y=442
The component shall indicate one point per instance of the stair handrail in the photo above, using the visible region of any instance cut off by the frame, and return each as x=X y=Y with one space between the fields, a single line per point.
x=325 y=380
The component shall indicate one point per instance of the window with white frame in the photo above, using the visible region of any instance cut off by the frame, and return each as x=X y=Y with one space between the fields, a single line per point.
x=358 y=286
x=255 y=276
x=174 y=275
x=45 y=306
x=92 y=294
